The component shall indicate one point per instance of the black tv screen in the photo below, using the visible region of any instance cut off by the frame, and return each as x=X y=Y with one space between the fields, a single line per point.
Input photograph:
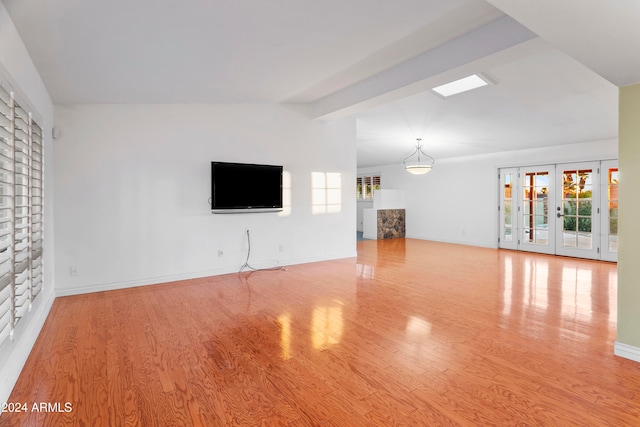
x=242 y=186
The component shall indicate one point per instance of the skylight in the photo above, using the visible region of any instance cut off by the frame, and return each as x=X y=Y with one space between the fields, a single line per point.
x=462 y=85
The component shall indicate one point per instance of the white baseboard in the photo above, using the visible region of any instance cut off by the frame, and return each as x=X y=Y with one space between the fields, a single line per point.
x=194 y=275
x=627 y=351
x=65 y=292
x=20 y=349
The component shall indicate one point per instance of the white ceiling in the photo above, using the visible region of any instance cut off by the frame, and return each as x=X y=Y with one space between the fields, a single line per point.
x=602 y=35
x=541 y=97
x=166 y=51
x=374 y=60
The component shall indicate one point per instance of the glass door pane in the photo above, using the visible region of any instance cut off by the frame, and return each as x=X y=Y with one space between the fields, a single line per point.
x=613 y=209
x=508 y=208
x=577 y=206
x=536 y=209
x=609 y=208
x=577 y=221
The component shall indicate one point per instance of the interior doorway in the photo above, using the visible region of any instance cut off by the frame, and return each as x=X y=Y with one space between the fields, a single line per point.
x=568 y=209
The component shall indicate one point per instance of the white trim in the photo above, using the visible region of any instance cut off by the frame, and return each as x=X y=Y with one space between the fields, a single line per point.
x=188 y=276
x=627 y=351
x=13 y=367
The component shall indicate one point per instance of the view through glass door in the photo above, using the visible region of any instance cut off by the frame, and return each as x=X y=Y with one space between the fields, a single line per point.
x=536 y=207
x=508 y=208
x=566 y=209
x=577 y=211
x=609 y=218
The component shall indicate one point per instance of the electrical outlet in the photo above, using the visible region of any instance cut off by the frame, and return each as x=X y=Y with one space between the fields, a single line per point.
x=220 y=253
x=74 y=270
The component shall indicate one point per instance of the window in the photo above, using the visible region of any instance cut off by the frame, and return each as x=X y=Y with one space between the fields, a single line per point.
x=21 y=212
x=365 y=186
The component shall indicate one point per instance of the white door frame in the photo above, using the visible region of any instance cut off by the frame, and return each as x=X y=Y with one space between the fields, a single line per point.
x=520 y=235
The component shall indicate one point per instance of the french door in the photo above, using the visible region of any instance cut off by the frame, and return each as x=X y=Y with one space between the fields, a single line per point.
x=527 y=209
x=566 y=209
x=577 y=210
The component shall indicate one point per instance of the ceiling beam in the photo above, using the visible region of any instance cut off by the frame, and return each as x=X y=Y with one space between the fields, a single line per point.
x=405 y=79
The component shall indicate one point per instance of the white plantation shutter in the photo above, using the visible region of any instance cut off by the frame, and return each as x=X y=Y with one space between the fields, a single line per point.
x=375 y=182
x=365 y=186
x=6 y=215
x=21 y=212
x=37 y=205
x=21 y=172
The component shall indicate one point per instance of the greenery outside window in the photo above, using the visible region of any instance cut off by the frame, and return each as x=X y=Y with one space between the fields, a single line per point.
x=365 y=186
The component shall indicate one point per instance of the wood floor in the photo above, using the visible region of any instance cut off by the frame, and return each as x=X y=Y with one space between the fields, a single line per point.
x=411 y=333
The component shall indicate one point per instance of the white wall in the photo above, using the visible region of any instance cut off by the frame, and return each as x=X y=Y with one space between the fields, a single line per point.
x=133 y=182
x=362 y=205
x=18 y=73
x=457 y=201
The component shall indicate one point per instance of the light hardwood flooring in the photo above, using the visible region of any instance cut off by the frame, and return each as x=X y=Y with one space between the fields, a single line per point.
x=410 y=333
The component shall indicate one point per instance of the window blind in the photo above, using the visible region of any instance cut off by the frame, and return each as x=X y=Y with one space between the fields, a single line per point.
x=365 y=186
x=37 y=209
x=21 y=212
x=6 y=215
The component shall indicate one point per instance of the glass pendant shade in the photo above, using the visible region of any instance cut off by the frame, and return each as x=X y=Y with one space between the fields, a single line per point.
x=418 y=163
x=417 y=169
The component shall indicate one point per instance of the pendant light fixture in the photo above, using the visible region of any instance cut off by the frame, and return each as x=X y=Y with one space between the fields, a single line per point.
x=418 y=163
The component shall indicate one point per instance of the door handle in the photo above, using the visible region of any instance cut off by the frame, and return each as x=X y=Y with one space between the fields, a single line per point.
x=559 y=215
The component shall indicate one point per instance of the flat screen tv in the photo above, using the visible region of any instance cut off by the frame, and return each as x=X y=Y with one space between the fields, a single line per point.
x=243 y=187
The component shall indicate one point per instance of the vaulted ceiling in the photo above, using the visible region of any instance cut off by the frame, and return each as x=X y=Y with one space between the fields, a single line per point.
x=555 y=65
